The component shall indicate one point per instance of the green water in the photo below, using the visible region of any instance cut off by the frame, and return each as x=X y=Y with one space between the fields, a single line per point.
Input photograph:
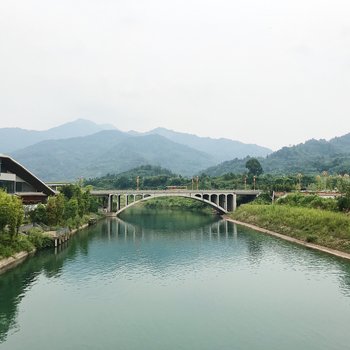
x=173 y=280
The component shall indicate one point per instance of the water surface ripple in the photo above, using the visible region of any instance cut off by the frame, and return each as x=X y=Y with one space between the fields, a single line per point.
x=174 y=280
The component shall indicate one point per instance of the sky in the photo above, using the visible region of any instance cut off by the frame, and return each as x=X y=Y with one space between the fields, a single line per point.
x=271 y=72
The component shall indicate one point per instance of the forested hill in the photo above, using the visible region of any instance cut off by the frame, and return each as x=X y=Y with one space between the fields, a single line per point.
x=221 y=149
x=149 y=177
x=313 y=156
x=109 y=151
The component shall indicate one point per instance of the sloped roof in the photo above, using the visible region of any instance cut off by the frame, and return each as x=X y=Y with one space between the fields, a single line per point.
x=18 y=169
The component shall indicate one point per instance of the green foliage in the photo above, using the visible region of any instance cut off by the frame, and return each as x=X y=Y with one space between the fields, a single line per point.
x=55 y=209
x=72 y=204
x=39 y=239
x=177 y=203
x=39 y=215
x=312 y=157
x=150 y=177
x=344 y=203
x=343 y=184
x=264 y=198
x=60 y=210
x=71 y=208
x=254 y=167
x=11 y=213
x=327 y=228
x=308 y=201
x=10 y=245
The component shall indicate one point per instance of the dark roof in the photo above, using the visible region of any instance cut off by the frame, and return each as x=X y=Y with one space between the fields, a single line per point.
x=18 y=169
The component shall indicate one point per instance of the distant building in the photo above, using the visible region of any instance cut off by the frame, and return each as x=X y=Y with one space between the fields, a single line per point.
x=57 y=185
x=16 y=179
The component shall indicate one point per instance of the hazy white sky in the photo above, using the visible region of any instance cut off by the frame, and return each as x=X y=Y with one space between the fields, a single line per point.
x=271 y=72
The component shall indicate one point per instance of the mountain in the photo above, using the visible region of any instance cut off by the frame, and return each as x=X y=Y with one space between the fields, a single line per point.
x=12 y=139
x=110 y=151
x=220 y=149
x=311 y=157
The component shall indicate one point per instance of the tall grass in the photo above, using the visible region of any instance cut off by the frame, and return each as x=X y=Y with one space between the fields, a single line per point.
x=327 y=228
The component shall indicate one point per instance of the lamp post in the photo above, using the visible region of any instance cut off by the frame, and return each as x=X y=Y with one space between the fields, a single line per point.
x=197 y=180
x=299 y=178
x=254 y=181
x=137 y=183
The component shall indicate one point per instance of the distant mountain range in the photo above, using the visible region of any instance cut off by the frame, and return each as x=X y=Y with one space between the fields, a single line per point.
x=85 y=149
x=12 y=139
x=221 y=149
x=311 y=157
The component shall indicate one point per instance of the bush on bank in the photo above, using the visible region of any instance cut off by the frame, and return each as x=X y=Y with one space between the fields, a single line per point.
x=309 y=201
x=69 y=209
x=327 y=228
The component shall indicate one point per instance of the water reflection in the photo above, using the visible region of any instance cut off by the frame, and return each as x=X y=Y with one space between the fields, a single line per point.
x=167 y=246
x=14 y=284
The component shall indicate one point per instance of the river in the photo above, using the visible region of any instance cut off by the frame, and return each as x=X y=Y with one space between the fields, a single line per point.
x=176 y=280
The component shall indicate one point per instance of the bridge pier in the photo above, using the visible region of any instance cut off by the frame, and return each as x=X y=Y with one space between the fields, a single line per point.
x=222 y=200
x=118 y=202
x=109 y=203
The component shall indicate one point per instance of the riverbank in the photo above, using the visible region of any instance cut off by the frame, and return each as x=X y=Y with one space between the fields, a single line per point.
x=30 y=247
x=317 y=229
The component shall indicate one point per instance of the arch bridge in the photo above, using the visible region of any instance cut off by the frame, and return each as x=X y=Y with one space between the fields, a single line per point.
x=224 y=201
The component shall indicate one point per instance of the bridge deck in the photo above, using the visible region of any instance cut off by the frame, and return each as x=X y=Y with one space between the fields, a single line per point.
x=182 y=192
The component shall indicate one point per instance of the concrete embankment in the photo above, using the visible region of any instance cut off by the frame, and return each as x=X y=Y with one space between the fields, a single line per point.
x=291 y=239
x=13 y=261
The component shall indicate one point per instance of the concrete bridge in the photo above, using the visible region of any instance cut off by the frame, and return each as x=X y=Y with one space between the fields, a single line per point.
x=224 y=201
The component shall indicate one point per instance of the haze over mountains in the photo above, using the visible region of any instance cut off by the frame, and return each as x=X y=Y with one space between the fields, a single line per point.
x=12 y=139
x=85 y=149
x=311 y=157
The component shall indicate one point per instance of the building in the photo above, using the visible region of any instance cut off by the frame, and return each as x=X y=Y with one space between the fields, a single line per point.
x=16 y=179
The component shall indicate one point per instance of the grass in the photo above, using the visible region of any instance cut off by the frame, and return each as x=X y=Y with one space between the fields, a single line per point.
x=326 y=228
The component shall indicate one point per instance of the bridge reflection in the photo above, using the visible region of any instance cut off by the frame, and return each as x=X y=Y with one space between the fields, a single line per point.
x=120 y=229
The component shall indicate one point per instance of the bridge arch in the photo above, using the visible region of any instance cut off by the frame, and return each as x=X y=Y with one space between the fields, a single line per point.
x=205 y=199
x=223 y=201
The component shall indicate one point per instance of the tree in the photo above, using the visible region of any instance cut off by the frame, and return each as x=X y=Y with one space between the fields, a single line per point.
x=254 y=167
x=39 y=214
x=11 y=212
x=55 y=209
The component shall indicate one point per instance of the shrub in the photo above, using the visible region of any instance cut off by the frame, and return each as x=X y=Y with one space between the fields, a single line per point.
x=311 y=239
x=39 y=239
x=308 y=201
x=10 y=245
